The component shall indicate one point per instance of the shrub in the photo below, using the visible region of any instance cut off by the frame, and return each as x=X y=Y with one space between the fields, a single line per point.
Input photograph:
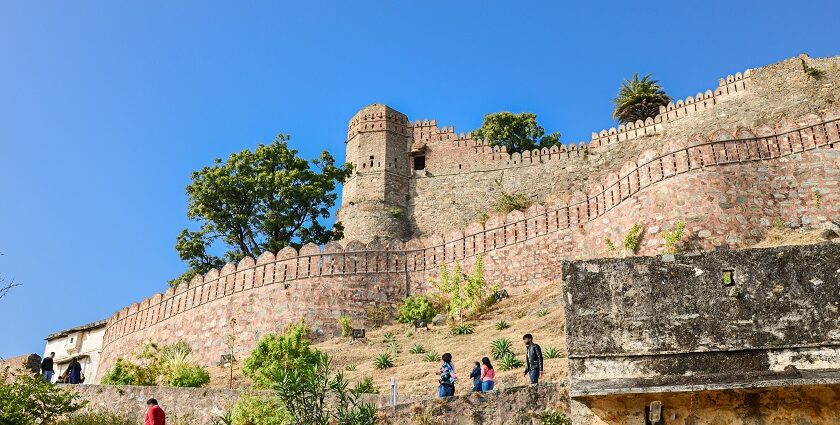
x=417 y=349
x=542 y=313
x=610 y=244
x=500 y=347
x=377 y=315
x=520 y=315
x=365 y=386
x=509 y=362
x=384 y=361
x=346 y=325
x=554 y=417
x=388 y=337
x=274 y=352
x=552 y=353
x=431 y=356
x=673 y=238
x=462 y=329
x=502 y=325
x=506 y=202
x=224 y=419
x=255 y=409
x=97 y=418
x=394 y=347
x=350 y=368
x=28 y=400
x=416 y=308
x=464 y=294
x=633 y=238
x=189 y=375
x=120 y=374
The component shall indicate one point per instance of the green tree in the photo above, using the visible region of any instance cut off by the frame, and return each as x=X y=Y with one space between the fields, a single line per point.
x=639 y=99
x=291 y=349
x=259 y=201
x=26 y=399
x=461 y=293
x=516 y=132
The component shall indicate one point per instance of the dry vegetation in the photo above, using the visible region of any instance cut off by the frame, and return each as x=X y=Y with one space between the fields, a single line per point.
x=783 y=236
x=416 y=377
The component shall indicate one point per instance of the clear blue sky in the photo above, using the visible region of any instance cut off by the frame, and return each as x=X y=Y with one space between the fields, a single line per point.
x=106 y=107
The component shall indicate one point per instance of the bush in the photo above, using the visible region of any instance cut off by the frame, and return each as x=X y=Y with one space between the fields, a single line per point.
x=384 y=361
x=377 y=315
x=346 y=325
x=673 y=239
x=252 y=409
x=462 y=329
x=97 y=418
x=365 y=386
x=28 y=400
x=417 y=349
x=431 y=356
x=273 y=352
x=552 y=353
x=120 y=374
x=416 y=308
x=462 y=294
x=502 y=325
x=509 y=362
x=554 y=417
x=500 y=347
x=633 y=238
x=189 y=375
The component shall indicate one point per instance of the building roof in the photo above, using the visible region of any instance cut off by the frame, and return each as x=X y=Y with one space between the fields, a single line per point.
x=93 y=325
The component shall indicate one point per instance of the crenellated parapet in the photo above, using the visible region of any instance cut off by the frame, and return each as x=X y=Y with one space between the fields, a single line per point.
x=378 y=117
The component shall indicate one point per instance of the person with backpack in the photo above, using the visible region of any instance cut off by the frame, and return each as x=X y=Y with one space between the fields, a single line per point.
x=447 y=377
x=488 y=375
x=533 y=359
x=476 y=376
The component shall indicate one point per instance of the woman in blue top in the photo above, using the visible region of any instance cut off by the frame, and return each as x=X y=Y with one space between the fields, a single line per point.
x=447 y=377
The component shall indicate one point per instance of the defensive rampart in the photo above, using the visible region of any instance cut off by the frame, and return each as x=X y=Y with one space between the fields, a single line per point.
x=726 y=187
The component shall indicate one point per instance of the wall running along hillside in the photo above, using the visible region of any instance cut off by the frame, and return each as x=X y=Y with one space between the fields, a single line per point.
x=727 y=187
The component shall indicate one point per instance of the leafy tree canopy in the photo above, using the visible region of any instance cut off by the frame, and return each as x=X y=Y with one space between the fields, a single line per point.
x=26 y=399
x=516 y=132
x=259 y=201
x=639 y=99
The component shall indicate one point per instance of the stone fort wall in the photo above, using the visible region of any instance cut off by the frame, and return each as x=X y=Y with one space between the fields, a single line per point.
x=727 y=186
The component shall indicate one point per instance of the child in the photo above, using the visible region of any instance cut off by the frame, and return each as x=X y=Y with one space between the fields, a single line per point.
x=476 y=376
x=447 y=377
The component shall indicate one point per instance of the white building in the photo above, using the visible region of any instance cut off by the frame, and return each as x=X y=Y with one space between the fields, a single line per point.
x=84 y=343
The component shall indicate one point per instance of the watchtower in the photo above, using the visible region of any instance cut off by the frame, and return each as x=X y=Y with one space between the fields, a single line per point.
x=375 y=198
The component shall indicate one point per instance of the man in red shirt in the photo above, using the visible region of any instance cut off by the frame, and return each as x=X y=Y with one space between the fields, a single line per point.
x=154 y=414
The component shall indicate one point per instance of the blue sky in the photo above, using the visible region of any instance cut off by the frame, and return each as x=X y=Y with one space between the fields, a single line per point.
x=106 y=107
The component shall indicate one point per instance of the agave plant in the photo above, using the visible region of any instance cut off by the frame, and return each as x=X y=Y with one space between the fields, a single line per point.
x=542 y=313
x=384 y=361
x=417 y=349
x=388 y=337
x=176 y=355
x=431 y=356
x=552 y=353
x=462 y=329
x=638 y=99
x=502 y=325
x=509 y=362
x=394 y=347
x=500 y=347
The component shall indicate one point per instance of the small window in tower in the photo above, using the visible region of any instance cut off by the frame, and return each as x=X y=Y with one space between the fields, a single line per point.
x=371 y=160
x=420 y=162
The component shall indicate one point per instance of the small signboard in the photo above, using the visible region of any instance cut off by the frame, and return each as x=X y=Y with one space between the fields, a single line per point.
x=418 y=324
x=358 y=334
x=500 y=294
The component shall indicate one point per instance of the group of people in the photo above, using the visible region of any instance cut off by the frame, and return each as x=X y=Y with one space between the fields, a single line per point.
x=483 y=374
x=73 y=374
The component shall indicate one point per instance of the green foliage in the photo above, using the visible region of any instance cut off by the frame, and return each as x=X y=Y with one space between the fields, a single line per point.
x=462 y=329
x=120 y=374
x=224 y=419
x=273 y=352
x=395 y=212
x=346 y=325
x=28 y=400
x=639 y=99
x=516 y=132
x=462 y=293
x=506 y=202
x=483 y=218
x=520 y=314
x=259 y=409
x=500 y=347
x=673 y=238
x=633 y=238
x=811 y=71
x=384 y=360
x=554 y=417
x=377 y=315
x=96 y=418
x=502 y=325
x=818 y=198
x=542 y=312
x=431 y=356
x=552 y=353
x=350 y=367
x=188 y=375
x=415 y=308
x=417 y=349
x=394 y=348
x=388 y=337
x=610 y=244
x=365 y=386
x=509 y=362
x=259 y=201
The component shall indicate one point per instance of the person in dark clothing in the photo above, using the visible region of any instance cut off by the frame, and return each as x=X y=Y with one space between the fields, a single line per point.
x=47 y=367
x=74 y=372
x=447 y=377
x=533 y=359
x=476 y=377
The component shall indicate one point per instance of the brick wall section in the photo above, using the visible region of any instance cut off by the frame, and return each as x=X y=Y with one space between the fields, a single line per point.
x=726 y=190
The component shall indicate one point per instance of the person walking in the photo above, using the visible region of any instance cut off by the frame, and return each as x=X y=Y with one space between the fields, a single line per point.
x=447 y=377
x=47 y=369
x=74 y=372
x=533 y=359
x=488 y=375
x=154 y=414
x=476 y=376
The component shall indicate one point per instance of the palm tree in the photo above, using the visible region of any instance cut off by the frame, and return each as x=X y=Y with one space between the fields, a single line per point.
x=639 y=99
